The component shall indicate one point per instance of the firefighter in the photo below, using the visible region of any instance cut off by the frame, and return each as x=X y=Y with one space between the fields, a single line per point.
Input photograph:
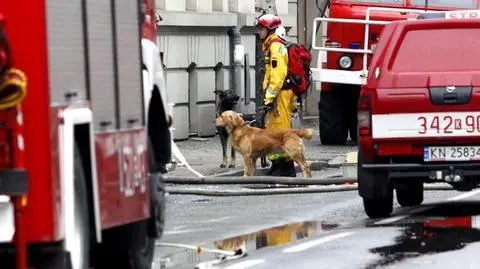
x=278 y=102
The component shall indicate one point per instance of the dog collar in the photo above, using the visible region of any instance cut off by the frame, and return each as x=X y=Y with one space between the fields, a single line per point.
x=245 y=123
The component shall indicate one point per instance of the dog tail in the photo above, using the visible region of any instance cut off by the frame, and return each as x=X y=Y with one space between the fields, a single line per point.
x=306 y=133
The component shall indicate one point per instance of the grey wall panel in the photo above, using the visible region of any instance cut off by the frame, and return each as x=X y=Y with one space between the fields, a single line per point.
x=101 y=64
x=66 y=56
x=128 y=57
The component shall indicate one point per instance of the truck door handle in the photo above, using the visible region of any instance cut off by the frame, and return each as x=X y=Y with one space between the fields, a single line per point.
x=104 y=124
x=132 y=121
x=69 y=95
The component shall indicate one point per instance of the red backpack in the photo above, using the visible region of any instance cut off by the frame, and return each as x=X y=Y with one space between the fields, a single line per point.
x=299 y=76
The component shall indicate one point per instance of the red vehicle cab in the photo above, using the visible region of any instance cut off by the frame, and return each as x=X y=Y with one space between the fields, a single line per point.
x=419 y=113
x=341 y=86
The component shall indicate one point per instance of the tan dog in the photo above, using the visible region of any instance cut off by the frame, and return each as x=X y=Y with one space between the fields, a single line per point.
x=251 y=142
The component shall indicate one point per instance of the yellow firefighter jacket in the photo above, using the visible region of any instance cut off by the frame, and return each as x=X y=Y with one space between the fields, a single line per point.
x=276 y=69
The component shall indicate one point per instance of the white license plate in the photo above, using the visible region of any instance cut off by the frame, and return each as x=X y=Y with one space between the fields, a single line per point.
x=451 y=153
x=442 y=124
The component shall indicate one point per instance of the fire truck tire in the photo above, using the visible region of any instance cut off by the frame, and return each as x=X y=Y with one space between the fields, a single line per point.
x=409 y=194
x=156 y=223
x=142 y=247
x=376 y=190
x=126 y=247
x=158 y=131
x=333 y=127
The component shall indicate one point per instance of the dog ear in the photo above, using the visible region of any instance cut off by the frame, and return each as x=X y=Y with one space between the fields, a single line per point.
x=230 y=120
x=237 y=119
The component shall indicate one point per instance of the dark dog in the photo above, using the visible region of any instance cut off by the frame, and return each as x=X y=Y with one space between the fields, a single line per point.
x=225 y=100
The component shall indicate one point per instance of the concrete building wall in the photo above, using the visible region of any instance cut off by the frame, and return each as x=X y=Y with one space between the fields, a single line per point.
x=193 y=36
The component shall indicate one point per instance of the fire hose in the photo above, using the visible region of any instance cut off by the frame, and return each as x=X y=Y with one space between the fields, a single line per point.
x=297 y=185
x=13 y=88
x=222 y=255
x=13 y=82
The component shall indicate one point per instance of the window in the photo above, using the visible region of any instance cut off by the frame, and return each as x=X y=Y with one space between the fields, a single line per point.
x=438 y=50
x=446 y=3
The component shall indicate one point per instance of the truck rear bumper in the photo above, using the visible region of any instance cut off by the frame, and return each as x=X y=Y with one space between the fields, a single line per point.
x=404 y=170
x=424 y=170
x=13 y=182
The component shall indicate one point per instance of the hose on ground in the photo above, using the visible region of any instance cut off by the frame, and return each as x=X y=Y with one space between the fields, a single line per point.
x=197 y=249
x=277 y=191
x=257 y=180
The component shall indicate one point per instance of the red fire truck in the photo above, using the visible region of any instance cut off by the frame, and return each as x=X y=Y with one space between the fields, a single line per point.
x=349 y=47
x=80 y=172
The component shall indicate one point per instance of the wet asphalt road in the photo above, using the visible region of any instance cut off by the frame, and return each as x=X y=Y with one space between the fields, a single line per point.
x=320 y=231
x=327 y=230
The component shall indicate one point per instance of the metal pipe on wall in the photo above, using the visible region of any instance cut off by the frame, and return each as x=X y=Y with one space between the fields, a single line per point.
x=247 y=80
x=238 y=53
x=259 y=72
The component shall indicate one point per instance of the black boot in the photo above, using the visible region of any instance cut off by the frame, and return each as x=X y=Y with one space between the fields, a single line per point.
x=274 y=168
x=287 y=169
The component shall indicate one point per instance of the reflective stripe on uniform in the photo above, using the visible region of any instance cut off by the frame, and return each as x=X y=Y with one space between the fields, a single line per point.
x=277 y=155
x=271 y=92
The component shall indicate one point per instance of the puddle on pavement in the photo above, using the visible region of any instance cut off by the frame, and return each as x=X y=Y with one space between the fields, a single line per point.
x=432 y=234
x=270 y=237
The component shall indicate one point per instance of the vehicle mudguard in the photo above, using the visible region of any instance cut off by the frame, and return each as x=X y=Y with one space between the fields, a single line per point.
x=156 y=222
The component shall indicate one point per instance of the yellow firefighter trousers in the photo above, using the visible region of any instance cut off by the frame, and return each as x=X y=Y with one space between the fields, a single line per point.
x=281 y=118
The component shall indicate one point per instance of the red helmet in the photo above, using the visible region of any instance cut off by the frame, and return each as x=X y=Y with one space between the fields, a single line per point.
x=269 y=21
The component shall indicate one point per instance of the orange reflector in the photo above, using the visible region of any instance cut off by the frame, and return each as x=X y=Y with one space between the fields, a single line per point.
x=23 y=200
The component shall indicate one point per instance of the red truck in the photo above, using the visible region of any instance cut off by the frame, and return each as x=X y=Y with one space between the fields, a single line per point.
x=348 y=55
x=84 y=134
x=418 y=113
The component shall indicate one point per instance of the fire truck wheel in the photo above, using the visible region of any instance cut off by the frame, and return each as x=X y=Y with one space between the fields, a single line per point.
x=158 y=131
x=156 y=222
x=409 y=193
x=333 y=127
x=142 y=247
x=376 y=190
